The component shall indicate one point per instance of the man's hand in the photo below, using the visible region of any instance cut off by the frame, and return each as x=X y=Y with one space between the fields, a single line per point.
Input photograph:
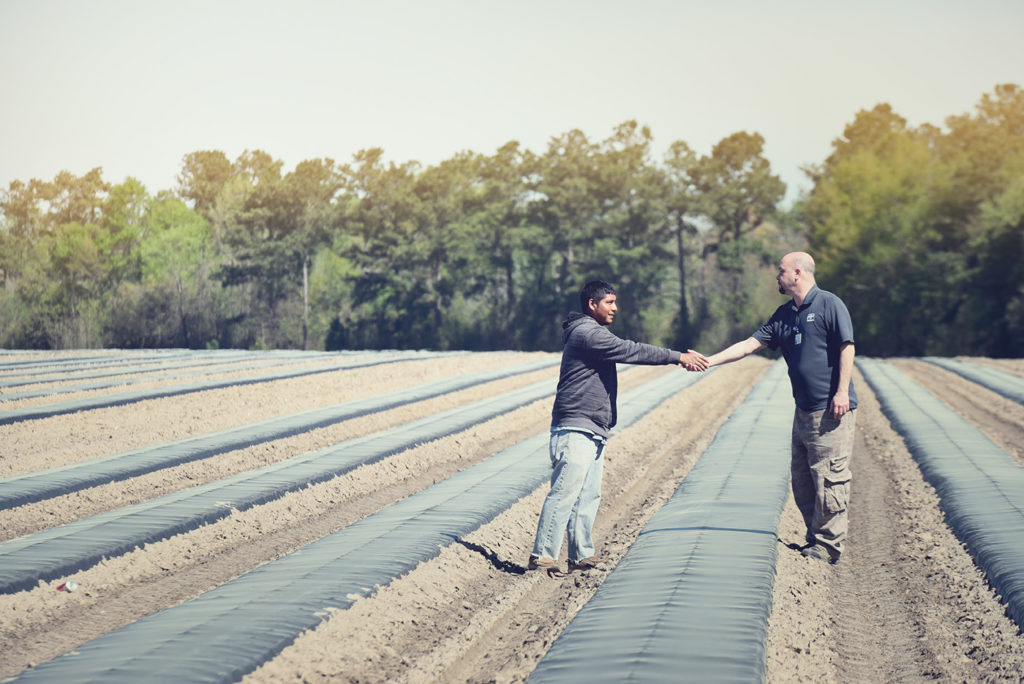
x=840 y=403
x=693 y=361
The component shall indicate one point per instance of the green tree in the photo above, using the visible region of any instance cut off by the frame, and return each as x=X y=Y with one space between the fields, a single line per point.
x=123 y=216
x=927 y=222
x=736 y=186
x=265 y=227
x=23 y=224
x=181 y=300
x=715 y=205
x=381 y=223
x=445 y=258
x=309 y=208
x=631 y=233
x=63 y=270
x=202 y=179
x=73 y=198
x=77 y=277
x=566 y=209
x=868 y=217
x=501 y=240
x=686 y=224
x=986 y=152
x=995 y=312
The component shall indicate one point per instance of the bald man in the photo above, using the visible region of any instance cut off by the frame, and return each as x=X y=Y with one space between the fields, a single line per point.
x=815 y=334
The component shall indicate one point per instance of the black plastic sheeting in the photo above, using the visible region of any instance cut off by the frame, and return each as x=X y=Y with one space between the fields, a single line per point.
x=230 y=631
x=123 y=398
x=55 y=371
x=37 y=363
x=80 y=544
x=980 y=486
x=44 y=484
x=96 y=380
x=1010 y=386
x=690 y=600
x=17 y=362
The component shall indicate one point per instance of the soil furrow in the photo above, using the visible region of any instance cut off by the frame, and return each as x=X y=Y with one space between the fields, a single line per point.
x=33 y=445
x=869 y=586
x=1001 y=419
x=906 y=603
x=41 y=624
x=943 y=588
x=60 y=510
x=147 y=580
x=475 y=609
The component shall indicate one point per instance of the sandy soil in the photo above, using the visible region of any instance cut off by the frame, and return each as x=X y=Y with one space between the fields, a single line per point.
x=906 y=603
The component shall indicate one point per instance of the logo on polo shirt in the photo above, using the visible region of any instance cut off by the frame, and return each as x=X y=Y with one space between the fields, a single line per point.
x=810 y=318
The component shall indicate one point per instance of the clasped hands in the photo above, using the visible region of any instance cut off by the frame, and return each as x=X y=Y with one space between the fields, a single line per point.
x=694 y=361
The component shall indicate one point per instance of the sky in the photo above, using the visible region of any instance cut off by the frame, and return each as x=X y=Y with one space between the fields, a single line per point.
x=133 y=86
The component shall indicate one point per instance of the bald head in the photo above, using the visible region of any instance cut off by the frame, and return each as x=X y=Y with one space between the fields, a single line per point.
x=802 y=261
x=796 y=275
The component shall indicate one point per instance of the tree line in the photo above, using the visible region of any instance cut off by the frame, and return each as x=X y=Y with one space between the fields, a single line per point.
x=920 y=230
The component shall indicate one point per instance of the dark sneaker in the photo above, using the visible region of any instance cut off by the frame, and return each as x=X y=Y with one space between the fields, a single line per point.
x=588 y=563
x=820 y=552
x=540 y=563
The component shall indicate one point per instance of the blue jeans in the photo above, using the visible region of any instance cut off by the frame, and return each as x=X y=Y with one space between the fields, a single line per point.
x=571 y=505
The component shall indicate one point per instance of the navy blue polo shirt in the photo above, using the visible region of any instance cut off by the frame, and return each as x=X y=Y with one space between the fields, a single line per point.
x=810 y=337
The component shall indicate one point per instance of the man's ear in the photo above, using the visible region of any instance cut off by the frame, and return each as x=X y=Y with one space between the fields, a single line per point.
x=591 y=305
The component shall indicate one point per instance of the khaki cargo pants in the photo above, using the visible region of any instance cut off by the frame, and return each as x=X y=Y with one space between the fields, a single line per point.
x=820 y=471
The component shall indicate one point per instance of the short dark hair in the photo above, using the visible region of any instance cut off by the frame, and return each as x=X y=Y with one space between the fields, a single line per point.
x=596 y=290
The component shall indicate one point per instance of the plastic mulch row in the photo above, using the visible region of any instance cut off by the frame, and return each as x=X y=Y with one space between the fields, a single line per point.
x=44 y=484
x=233 y=629
x=691 y=598
x=980 y=486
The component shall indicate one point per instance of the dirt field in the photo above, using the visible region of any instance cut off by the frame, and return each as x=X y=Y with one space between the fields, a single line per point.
x=906 y=603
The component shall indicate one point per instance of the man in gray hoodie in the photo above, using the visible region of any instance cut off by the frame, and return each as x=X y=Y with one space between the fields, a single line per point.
x=583 y=414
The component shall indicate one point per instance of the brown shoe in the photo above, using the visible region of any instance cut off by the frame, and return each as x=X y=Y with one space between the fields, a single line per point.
x=588 y=563
x=540 y=563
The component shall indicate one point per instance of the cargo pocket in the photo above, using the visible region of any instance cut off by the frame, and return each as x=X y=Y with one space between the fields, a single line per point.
x=837 y=494
x=838 y=465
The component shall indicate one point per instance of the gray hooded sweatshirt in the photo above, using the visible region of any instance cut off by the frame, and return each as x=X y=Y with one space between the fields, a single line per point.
x=587 y=382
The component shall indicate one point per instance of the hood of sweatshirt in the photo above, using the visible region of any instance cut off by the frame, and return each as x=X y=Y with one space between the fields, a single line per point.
x=573 y=321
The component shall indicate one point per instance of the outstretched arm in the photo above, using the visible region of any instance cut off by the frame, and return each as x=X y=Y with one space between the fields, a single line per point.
x=735 y=352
